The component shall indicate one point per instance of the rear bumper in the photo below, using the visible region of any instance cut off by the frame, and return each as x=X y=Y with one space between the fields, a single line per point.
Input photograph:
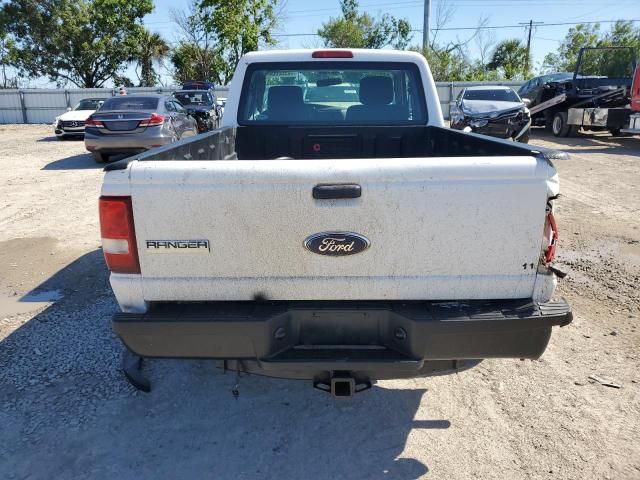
x=125 y=142
x=377 y=339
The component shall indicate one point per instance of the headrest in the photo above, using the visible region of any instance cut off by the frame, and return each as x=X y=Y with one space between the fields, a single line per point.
x=284 y=96
x=376 y=90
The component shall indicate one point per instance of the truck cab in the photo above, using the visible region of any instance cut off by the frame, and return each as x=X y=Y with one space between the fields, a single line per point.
x=336 y=240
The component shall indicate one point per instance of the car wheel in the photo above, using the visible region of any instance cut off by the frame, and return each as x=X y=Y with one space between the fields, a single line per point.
x=615 y=132
x=100 y=157
x=559 y=126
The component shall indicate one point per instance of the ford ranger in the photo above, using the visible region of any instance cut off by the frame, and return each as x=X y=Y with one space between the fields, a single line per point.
x=339 y=238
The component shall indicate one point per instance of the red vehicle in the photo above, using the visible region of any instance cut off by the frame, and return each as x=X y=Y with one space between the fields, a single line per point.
x=635 y=91
x=634 y=119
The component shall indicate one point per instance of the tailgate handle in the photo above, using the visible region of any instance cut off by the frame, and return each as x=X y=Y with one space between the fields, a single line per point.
x=337 y=191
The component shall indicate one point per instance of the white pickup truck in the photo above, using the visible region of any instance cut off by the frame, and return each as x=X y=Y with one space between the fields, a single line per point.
x=333 y=230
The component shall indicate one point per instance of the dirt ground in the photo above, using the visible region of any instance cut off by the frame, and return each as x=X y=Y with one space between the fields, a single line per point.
x=66 y=412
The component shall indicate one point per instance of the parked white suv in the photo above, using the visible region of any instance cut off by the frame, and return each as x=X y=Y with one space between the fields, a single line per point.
x=340 y=242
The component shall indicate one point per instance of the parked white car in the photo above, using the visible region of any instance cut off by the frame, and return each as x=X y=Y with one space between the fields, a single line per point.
x=71 y=123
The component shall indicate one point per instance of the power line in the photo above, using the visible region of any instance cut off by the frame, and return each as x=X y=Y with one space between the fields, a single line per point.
x=528 y=58
x=481 y=27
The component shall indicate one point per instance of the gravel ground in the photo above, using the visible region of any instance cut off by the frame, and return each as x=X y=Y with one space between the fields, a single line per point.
x=66 y=412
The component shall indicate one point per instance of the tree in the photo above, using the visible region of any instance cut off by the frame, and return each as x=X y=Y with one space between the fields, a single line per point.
x=237 y=27
x=582 y=35
x=196 y=55
x=7 y=54
x=83 y=42
x=622 y=34
x=190 y=61
x=7 y=59
x=510 y=56
x=450 y=61
x=356 y=30
x=151 y=48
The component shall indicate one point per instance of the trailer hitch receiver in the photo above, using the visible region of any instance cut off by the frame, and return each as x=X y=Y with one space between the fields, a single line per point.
x=342 y=385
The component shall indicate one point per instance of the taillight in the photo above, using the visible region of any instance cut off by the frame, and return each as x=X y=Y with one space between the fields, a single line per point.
x=118 y=235
x=550 y=252
x=155 y=120
x=93 y=123
x=332 y=54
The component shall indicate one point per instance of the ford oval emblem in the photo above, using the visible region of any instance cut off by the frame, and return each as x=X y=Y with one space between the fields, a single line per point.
x=336 y=244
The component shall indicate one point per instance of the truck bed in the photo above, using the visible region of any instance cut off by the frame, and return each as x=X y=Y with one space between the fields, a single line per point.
x=273 y=142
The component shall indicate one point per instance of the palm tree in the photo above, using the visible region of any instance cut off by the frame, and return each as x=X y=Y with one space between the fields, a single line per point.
x=152 y=48
x=511 y=56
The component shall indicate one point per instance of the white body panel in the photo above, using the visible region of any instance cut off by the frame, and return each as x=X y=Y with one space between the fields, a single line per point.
x=78 y=115
x=440 y=228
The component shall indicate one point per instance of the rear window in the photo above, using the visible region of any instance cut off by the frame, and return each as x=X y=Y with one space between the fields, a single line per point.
x=130 y=103
x=310 y=93
x=491 y=94
x=339 y=93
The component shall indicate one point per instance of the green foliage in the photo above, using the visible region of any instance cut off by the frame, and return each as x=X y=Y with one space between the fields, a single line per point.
x=8 y=55
x=192 y=62
x=84 y=42
x=238 y=27
x=510 y=57
x=622 y=34
x=151 y=48
x=355 y=30
x=453 y=65
x=582 y=35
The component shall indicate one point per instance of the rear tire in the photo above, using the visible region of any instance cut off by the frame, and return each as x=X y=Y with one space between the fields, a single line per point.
x=559 y=126
x=100 y=157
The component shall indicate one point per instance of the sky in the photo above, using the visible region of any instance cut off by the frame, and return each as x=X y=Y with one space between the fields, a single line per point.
x=302 y=18
x=305 y=17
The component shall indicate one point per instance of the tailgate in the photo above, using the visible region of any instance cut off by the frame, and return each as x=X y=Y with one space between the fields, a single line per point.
x=436 y=228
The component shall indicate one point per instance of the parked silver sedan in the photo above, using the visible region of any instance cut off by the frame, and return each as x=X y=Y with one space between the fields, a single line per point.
x=135 y=123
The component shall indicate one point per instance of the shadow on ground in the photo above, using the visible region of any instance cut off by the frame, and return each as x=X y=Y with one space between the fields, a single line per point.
x=64 y=402
x=82 y=161
x=587 y=143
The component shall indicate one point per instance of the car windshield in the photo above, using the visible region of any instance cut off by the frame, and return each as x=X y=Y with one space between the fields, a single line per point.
x=194 y=98
x=89 y=104
x=130 y=103
x=496 y=95
x=556 y=77
x=332 y=92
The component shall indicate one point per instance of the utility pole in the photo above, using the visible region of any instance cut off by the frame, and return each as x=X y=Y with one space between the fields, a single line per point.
x=425 y=26
x=528 y=59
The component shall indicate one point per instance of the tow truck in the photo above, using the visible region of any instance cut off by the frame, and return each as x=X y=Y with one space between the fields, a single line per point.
x=597 y=96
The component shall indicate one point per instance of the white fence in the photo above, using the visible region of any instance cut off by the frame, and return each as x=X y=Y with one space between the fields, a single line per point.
x=40 y=105
x=43 y=105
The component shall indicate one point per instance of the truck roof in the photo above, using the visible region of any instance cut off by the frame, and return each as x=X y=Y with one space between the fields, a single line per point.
x=359 y=55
